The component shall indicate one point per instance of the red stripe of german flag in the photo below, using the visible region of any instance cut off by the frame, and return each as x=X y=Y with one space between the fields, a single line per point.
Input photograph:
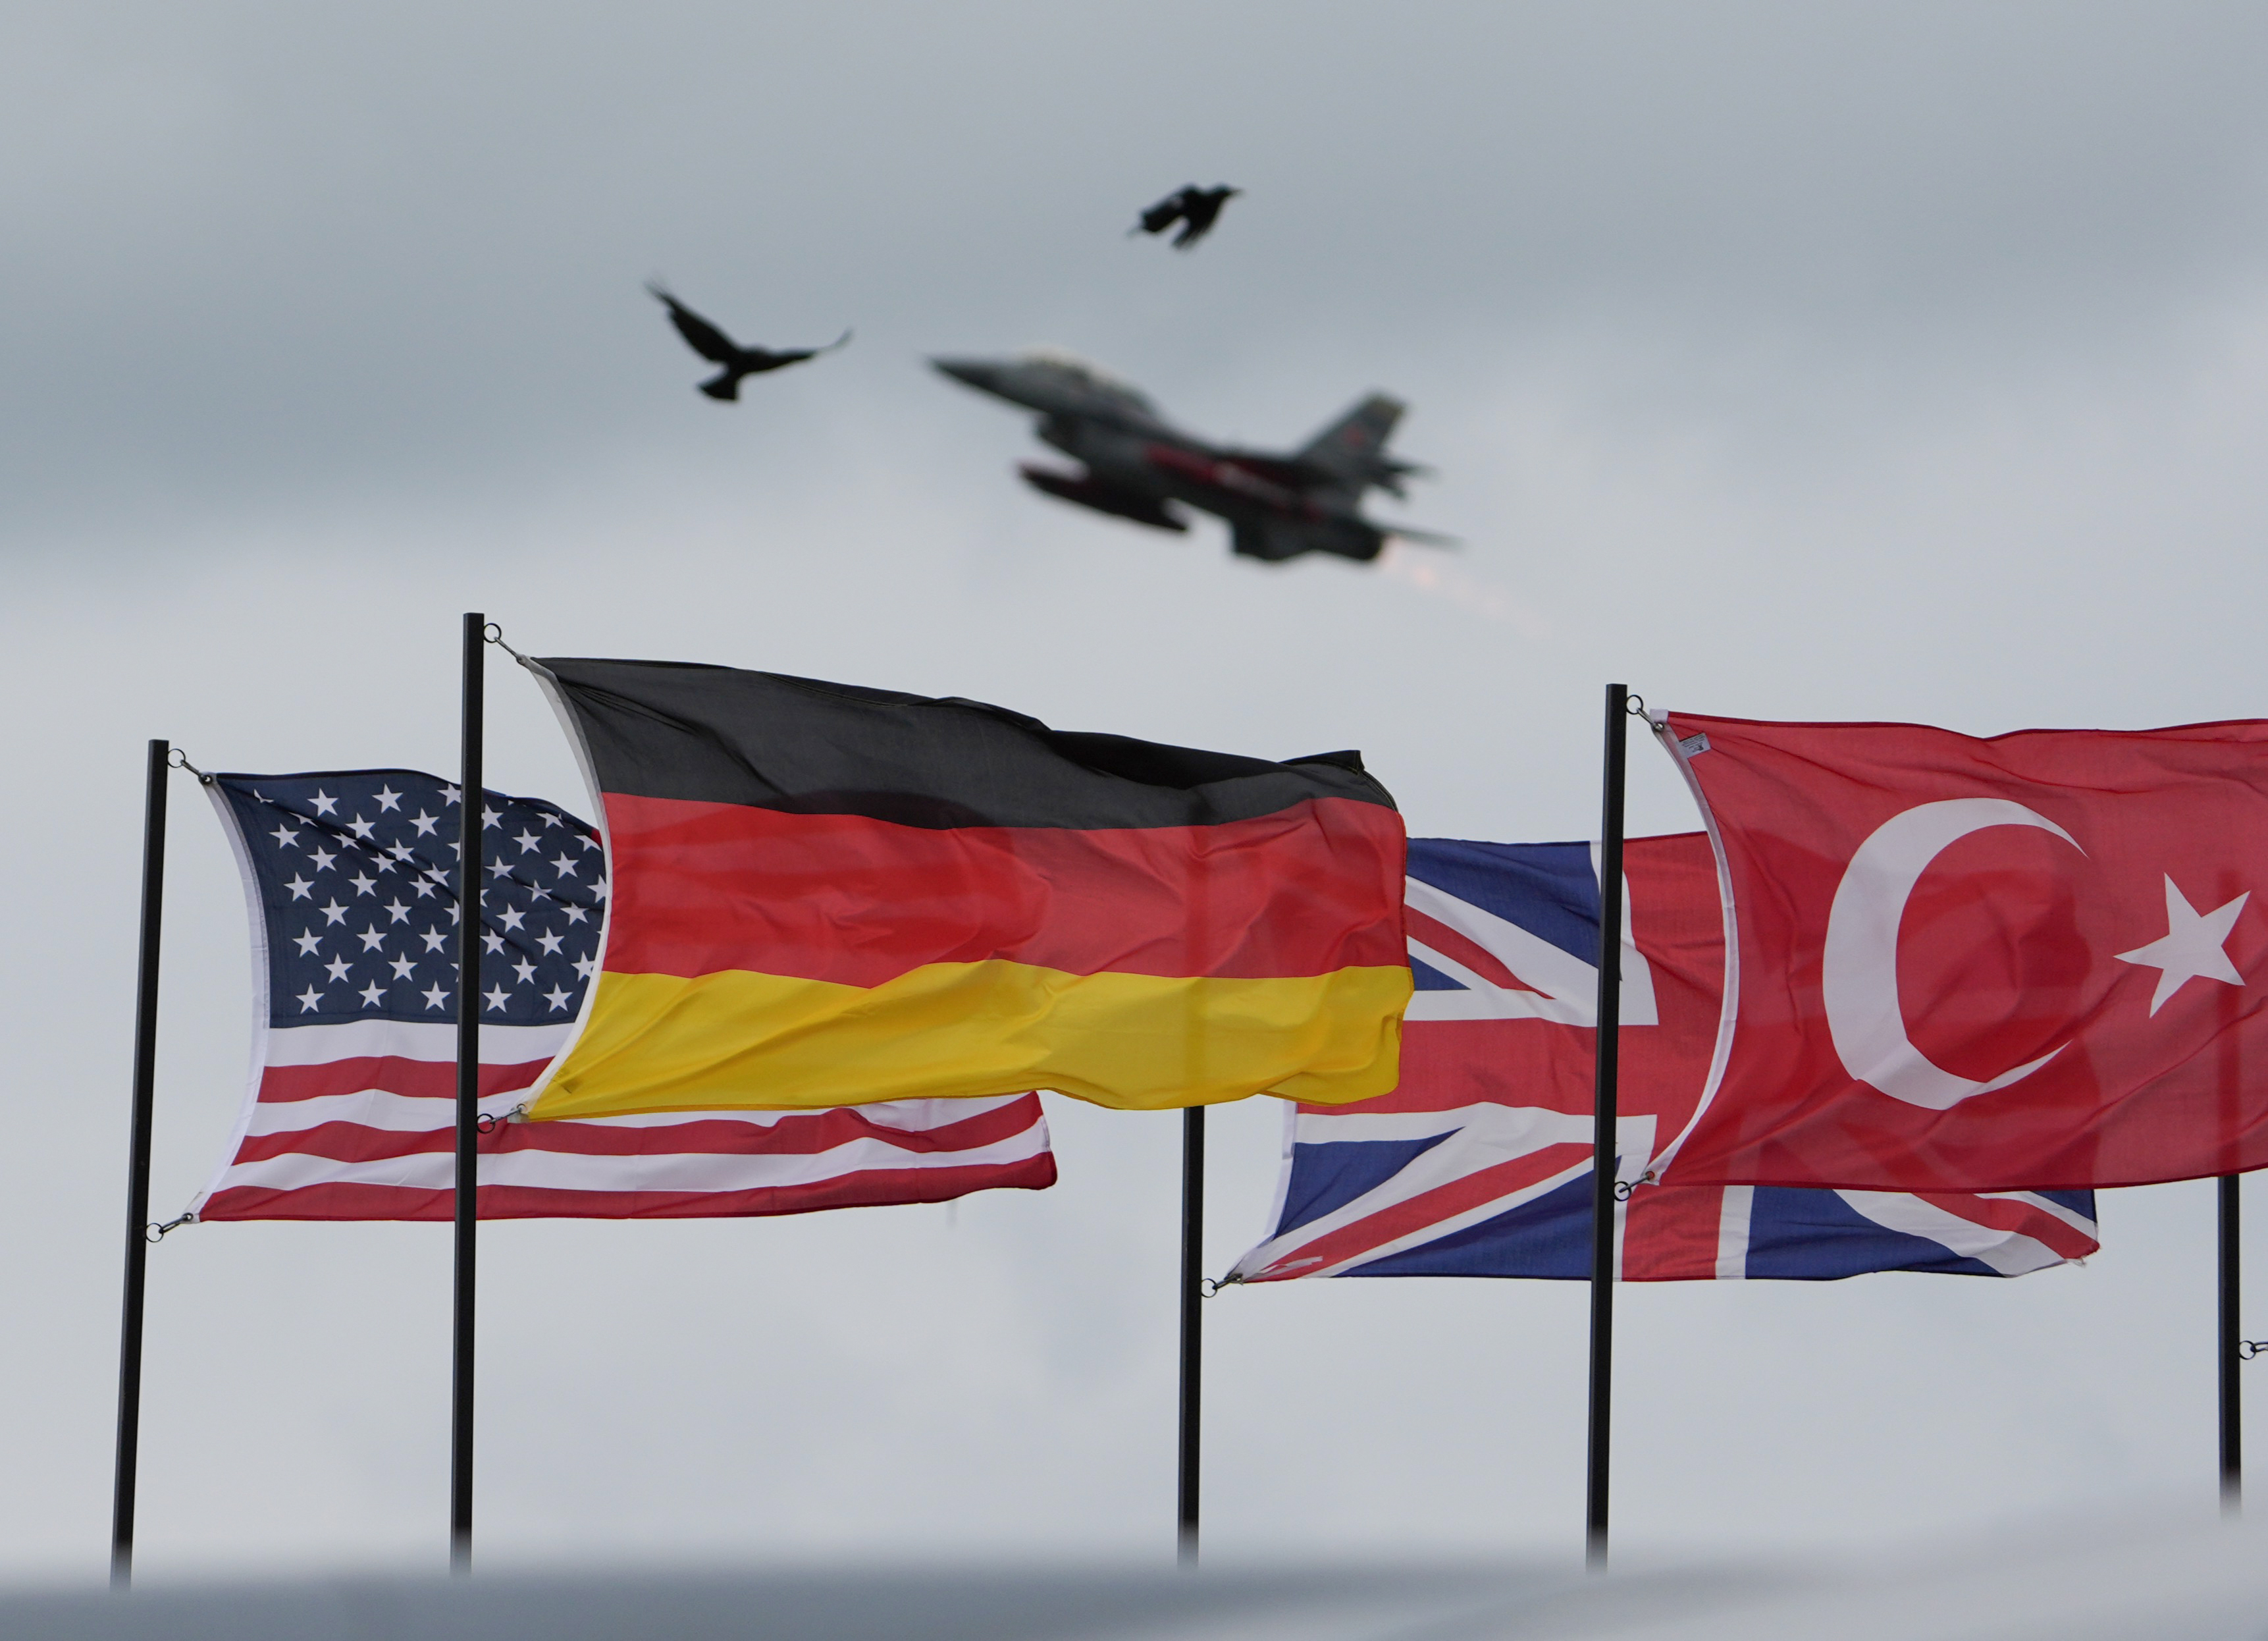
x=700 y=887
x=825 y=895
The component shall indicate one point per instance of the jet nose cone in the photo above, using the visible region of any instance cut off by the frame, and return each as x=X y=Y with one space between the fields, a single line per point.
x=980 y=374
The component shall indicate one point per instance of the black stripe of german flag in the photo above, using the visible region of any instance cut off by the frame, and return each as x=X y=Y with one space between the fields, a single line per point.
x=824 y=895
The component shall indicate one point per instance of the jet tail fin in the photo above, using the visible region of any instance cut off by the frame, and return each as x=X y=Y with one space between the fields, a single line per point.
x=1353 y=447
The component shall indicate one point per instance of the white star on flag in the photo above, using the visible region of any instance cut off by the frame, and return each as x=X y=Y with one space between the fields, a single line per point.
x=375 y=826
x=2192 y=946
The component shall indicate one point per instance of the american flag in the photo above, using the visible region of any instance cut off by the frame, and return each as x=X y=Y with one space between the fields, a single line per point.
x=1479 y=1163
x=351 y=880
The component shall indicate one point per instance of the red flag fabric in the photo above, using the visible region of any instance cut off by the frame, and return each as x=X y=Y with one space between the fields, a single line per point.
x=2031 y=962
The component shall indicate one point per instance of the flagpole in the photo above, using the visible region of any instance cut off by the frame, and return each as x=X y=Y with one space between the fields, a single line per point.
x=2232 y=1388
x=1192 y=1328
x=1603 y=1128
x=469 y=808
x=128 y=1448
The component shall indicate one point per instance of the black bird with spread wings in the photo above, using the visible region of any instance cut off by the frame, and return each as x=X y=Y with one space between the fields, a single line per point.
x=1196 y=208
x=720 y=348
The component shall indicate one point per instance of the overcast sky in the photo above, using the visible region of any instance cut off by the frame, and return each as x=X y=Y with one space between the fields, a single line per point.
x=1805 y=360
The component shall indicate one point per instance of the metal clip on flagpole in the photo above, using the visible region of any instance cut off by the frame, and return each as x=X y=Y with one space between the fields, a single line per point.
x=127 y=1452
x=179 y=759
x=1603 y=1148
x=469 y=808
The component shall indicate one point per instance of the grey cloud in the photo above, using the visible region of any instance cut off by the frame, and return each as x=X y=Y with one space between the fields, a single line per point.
x=264 y=251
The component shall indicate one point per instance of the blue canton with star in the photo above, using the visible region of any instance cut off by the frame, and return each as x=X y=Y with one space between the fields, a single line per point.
x=358 y=877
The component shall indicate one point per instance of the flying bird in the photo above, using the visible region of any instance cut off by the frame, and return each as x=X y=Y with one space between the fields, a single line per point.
x=720 y=348
x=1196 y=208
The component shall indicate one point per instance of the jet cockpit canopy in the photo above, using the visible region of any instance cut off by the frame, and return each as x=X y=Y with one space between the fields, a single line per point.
x=1091 y=376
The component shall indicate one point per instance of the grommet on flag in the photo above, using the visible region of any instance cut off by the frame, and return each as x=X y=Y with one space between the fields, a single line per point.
x=494 y=634
x=179 y=759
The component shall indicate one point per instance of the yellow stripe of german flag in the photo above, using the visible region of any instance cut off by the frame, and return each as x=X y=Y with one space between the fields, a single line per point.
x=1143 y=1042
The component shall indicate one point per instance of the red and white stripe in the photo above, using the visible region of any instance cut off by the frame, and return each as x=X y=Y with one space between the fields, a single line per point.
x=356 y=1120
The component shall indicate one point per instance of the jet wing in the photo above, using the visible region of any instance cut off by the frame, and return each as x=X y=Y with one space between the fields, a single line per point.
x=1275 y=540
x=1288 y=471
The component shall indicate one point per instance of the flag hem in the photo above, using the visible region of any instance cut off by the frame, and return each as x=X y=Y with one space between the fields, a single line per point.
x=262 y=1005
x=1729 y=1010
x=550 y=685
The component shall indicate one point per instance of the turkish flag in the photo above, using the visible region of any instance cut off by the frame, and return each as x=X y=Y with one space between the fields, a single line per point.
x=2031 y=962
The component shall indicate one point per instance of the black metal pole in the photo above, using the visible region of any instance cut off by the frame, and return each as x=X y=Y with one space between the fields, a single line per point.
x=137 y=1173
x=2232 y=1389
x=470 y=806
x=1192 y=1327
x=1603 y=1128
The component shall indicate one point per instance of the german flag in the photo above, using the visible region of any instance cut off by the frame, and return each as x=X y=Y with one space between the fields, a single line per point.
x=823 y=895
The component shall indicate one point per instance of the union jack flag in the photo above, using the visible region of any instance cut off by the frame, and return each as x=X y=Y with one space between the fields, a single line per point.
x=1479 y=1163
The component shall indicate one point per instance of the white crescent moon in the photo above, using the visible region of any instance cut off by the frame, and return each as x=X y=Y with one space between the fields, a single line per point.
x=1858 y=978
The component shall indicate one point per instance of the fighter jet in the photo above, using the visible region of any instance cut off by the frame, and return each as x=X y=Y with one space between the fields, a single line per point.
x=720 y=348
x=1138 y=466
x=1196 y=208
